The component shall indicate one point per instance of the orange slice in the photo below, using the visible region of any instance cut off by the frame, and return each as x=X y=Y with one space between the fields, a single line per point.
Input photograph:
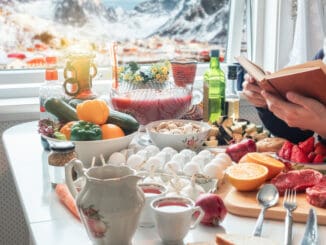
x=246 y=176
x=274 y=166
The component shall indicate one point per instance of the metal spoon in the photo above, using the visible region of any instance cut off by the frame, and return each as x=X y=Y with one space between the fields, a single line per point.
x=267 y=197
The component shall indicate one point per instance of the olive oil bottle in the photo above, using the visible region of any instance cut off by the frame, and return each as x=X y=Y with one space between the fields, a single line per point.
x=214 y=90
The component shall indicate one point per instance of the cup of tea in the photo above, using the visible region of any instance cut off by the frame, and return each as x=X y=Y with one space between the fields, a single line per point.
x=184 y=72
x=151 y=191
x=174 y=217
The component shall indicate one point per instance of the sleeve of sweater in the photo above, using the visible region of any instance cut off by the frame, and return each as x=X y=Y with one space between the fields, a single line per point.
x=280 y=129
x=319 y=55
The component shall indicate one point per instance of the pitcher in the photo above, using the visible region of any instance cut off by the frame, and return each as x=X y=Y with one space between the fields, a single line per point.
x=109 y=203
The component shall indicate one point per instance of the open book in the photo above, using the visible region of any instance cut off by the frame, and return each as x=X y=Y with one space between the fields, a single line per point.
x=308 y=79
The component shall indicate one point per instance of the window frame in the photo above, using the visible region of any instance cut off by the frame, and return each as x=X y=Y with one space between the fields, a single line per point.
x=19 y=88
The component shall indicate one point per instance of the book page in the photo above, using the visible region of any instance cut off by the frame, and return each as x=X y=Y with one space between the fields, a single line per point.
x=254 y=70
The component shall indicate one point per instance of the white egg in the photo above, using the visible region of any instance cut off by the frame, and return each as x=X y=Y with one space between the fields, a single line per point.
x=191 y=168
x=205 y=153
x=220 y=162
x=135 y=147
x=199 y=160
x=224 y=156
x=188 y=154
x=163 y=156
x=127 y=152
x=172 y=167
x=214 y=171
x=143 y=153
x=117 y=159
x=224 y=160
x=170 y=152
x=179 y=158
x=153 y=164
x=152 y=149
x=135 y=161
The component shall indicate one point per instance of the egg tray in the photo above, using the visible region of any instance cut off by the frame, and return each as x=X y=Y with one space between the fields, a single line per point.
x=168 y=165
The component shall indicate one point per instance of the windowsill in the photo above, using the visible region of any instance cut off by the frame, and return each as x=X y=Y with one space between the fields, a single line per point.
x=28 y=108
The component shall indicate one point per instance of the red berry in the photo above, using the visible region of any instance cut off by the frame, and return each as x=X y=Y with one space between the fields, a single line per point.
x=319 y=158
x=311 y=156
x=308 y=145
x=320 y=148
x=298 y=155
x=285 y=151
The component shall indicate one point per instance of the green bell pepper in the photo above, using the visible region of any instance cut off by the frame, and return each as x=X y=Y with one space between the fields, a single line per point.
x=83 y=130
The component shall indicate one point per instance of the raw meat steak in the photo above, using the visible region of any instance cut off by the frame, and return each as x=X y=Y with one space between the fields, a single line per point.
x=316 y=195
x=298 y=180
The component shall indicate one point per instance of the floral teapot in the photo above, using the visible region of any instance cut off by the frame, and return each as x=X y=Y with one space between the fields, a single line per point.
x=109 y=203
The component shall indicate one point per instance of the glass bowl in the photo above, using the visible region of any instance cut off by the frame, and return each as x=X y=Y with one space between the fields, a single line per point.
x=148 y=105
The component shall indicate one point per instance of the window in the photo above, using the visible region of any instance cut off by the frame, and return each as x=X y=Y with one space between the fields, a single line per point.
x=146 y=31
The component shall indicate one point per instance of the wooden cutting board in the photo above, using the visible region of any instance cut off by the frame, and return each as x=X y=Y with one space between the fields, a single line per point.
x=245 y=204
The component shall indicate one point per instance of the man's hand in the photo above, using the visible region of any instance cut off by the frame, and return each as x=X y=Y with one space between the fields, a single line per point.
x=253 y=92
x=298 y=111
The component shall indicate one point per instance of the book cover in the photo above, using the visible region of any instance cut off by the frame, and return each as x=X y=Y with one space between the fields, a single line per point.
x=308 y=79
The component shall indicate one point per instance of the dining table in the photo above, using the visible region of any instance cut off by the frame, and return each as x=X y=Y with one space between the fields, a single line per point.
x=50 y=223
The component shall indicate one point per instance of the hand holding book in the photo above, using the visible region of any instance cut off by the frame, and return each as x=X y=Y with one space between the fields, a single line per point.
x=308 y=79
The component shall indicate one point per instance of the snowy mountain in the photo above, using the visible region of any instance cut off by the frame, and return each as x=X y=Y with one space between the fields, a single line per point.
x=203 y=20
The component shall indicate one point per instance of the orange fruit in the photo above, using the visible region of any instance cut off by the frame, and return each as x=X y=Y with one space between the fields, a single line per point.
x=246 y=176
x=110 y=131
x=274 y=166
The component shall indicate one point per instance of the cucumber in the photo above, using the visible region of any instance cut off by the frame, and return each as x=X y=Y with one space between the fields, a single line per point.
x=125 y=121
x=62 y=110
x=75 y=102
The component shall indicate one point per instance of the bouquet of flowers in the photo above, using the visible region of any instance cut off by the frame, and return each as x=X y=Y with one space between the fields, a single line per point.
x=145 y=76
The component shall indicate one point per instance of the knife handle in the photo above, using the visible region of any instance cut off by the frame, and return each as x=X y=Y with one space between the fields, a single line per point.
x=288 y=228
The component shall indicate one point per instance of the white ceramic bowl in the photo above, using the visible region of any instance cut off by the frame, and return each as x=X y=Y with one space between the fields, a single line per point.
x=86 y=150
x=193 y=141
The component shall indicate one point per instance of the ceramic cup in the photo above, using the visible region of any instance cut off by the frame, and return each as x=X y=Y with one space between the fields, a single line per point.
x=174 y=217
x=151 y=191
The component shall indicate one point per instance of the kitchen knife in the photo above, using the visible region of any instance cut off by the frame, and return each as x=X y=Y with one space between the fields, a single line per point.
x=310 y=236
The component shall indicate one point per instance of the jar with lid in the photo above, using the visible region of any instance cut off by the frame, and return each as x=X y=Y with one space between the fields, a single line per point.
x=60 y=154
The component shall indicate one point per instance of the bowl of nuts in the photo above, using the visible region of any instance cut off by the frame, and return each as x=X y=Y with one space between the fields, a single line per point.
x=178 y=134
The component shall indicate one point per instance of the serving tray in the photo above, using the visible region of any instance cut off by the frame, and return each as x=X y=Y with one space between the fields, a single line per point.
x=245 y=204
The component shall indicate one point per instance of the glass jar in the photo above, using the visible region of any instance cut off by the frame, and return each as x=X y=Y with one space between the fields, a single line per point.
x=60 y=154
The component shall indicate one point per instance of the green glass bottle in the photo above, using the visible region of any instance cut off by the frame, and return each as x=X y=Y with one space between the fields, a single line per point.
x=214 y=89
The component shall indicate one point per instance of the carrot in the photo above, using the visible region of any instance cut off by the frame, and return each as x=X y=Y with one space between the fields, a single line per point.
x=67 y=199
